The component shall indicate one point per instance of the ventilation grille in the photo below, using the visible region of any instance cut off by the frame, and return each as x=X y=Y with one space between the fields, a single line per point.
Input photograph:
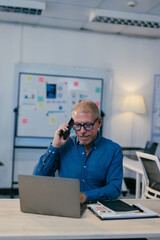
x=22 y=7
x=128 y=22
x=124 y=18
x=22 y=10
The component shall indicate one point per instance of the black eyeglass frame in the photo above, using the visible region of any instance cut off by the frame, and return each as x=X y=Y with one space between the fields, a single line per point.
x=85 y=124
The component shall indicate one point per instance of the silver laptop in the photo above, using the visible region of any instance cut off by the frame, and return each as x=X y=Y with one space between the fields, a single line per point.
x=49 y=195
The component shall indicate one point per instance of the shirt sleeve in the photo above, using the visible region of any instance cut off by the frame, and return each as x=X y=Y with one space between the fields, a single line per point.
x=48 y=162
x=112 y=189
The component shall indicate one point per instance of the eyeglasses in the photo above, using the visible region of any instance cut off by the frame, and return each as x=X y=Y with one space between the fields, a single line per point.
x=87 y=126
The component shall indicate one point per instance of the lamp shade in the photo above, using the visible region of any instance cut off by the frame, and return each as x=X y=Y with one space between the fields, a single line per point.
x=134 y=103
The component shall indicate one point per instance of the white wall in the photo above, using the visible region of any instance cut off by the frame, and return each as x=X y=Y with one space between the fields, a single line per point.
x=133 y=61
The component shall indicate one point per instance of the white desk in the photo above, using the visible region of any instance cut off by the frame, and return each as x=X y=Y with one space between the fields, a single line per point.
x=15 y=225
x=136 y=167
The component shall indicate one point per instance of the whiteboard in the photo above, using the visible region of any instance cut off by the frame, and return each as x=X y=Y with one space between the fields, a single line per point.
x=46 y=101
x=45 y=95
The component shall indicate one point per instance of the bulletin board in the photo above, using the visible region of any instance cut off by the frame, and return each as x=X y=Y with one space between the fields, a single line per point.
x=46 y=96
x=46 y=101
x=155 y=130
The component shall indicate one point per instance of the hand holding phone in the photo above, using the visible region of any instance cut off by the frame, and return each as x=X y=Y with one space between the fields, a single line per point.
x=66 y=133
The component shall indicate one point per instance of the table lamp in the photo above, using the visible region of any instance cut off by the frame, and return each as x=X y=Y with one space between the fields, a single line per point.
x=134 y=103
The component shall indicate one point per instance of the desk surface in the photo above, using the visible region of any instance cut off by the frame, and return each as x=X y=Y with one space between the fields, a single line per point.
x=17 y=225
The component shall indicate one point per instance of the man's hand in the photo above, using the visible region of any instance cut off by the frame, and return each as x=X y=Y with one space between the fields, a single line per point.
x=83 y=197
x=58 y=140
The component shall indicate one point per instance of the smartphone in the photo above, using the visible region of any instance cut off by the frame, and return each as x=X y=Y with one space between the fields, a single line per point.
x=66 y=133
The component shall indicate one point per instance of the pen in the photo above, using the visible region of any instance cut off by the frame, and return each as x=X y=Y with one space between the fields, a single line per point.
x=137 y=208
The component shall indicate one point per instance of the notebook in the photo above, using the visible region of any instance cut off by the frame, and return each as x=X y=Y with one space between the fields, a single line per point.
x=118 y=206
x=50 y=195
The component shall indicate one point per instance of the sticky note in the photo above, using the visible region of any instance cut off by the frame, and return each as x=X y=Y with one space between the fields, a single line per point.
x=76 y=84
x=24 y=120
x=41 y=105
x=29 y=78
x=40 y=99
x=52 y=120
x=98 y=90
x=41 y=79
x=97 y=103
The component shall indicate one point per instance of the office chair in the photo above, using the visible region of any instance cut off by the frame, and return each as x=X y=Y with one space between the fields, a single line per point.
x=151 y=170
x=150 y=148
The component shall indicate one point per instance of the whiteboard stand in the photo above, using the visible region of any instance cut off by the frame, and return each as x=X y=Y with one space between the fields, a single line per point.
x=13 y=154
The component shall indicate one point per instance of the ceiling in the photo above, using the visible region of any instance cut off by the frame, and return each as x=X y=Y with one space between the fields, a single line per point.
x=76 y=15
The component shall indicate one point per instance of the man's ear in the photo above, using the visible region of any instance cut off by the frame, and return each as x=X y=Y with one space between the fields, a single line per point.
x=100 y=122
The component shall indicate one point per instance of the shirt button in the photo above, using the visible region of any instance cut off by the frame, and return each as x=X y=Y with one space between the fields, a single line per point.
x=83 y=180
x=49 y=151
x=94 y=147
x=83 y=153
x=84 y=166
x=52 y=151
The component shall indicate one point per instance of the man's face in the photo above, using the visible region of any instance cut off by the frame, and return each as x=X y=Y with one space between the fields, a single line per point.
x=86 y=137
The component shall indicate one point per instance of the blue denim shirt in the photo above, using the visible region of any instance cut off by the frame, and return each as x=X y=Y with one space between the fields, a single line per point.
x=100 y=172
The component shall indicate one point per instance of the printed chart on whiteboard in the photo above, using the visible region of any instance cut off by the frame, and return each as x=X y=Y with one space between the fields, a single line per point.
x=46 y=101
x=155 y=132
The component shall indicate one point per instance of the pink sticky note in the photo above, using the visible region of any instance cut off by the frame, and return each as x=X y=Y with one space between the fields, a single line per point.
x=97 y=103
x=41 y=79
x=24 y=120
x=76 y=84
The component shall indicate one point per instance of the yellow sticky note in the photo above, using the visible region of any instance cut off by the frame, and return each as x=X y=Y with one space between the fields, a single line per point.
x=29 y=78
x=40 y=104
x=52 y=120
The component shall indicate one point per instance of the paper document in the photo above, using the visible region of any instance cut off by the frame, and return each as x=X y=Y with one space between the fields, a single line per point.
x=105 y=213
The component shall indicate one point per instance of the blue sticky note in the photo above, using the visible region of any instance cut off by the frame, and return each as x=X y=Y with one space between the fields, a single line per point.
x=98 y=90
x=40 y=99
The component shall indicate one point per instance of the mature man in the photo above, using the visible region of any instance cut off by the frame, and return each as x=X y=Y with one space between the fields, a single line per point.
x=89 y=157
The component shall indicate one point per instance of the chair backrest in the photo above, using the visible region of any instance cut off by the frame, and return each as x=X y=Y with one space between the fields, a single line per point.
x=157 y=153
x=150 y=147
x=151 y=169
